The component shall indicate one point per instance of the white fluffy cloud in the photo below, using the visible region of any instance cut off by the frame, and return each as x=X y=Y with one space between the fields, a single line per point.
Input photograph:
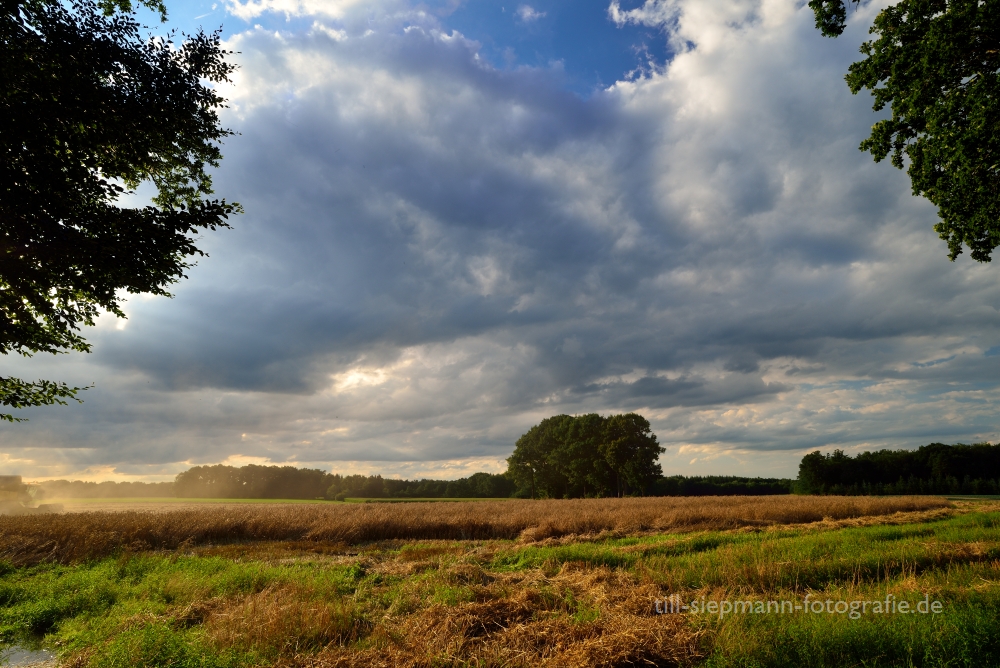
x=436 y=254
x=327 y=9
x=527 y=13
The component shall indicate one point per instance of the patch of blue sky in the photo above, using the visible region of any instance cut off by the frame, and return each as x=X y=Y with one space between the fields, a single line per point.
x=945 y=434
x=965 y=392
x=577 y=36
x=992 y=352
x=190 y=16
x=924 y=365
x=966 y=396
x=853 y=384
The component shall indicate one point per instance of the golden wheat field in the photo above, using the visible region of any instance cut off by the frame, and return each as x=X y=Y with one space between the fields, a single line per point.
x=75 y=537
x=567 y=583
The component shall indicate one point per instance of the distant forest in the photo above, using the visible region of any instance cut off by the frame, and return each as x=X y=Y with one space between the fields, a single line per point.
x=252 y=482
x=931 y=469
x=720 y=485
x=287 y=482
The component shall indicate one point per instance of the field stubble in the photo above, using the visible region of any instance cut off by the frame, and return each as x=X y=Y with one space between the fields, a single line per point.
x=544 y=583
x=75 y=537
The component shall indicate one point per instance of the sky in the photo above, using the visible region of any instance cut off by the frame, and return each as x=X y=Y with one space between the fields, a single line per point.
x=464 y=217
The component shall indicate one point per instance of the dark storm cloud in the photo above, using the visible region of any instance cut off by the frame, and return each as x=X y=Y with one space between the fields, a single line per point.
x=436 y=254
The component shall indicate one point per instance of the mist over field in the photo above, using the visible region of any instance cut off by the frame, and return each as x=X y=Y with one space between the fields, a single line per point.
x=460 y=220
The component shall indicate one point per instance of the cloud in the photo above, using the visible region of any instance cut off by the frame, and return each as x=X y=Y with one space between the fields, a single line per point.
x=653 y=13
x=336 y=9
x=527 y=13
x=437 y=254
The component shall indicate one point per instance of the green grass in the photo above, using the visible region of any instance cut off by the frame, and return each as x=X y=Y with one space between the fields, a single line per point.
x=142 y=609
x=954 y=561
x=964 y=635
x=129 y=607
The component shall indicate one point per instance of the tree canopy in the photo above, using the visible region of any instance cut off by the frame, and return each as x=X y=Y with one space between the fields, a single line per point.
x=936 y=64
x=90 y=109
x=931 y=469
x=588 y=455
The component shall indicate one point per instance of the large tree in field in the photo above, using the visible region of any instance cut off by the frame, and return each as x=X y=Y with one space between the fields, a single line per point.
x=89 y=109
x=936 y=64
x=631 y=450
x=587 y=455
x=536 y=460
x=588 y=472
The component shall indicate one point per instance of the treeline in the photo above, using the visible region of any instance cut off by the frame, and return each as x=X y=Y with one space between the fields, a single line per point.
x=721 y=485
x=287 y=482
x=476 y=486
x=252 y=482
x=78 y=489
x=584 y=456
x=931 y=469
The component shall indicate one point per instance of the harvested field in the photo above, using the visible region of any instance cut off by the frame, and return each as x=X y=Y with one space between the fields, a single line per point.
x=578 y=617
x=577 y=587
x=164 y=504
x=562 y=601
x=76 y=537
x=161 y=504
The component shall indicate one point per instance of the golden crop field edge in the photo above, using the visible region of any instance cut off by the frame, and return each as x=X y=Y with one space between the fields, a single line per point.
x=76 y=537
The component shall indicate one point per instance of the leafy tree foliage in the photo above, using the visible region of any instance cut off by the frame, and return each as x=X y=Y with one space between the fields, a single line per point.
x=936 y=63
x=931 y=469
x=89 y=109
x=631 y=450
x=589 y=455
x=539 y=458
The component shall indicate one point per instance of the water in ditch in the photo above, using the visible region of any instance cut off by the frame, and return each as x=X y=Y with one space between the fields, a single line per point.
x=18 y=656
